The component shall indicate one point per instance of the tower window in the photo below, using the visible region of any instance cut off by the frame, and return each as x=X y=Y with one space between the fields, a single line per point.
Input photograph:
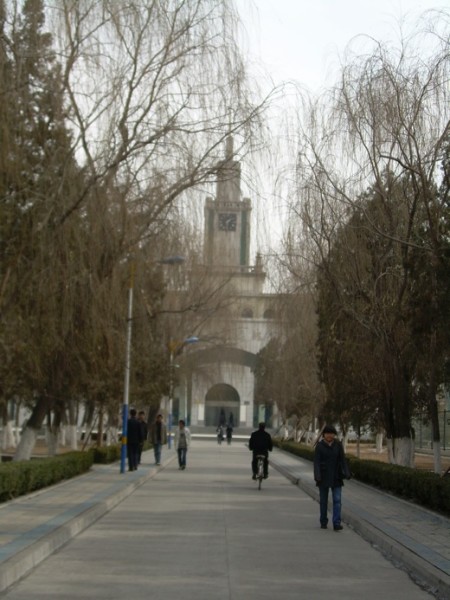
x=247 y=313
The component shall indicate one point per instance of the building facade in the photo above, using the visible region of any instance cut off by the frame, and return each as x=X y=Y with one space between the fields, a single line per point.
x=216 y=376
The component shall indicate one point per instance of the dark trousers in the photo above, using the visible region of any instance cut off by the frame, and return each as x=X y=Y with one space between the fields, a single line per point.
x=182 y=456
x=255 y=462
x=336 y=498
x=133 y=456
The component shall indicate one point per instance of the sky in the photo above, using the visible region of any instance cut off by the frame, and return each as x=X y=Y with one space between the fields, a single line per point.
x=305 y=41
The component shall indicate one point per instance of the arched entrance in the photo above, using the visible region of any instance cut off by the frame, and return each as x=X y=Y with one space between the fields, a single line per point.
x=221 y=404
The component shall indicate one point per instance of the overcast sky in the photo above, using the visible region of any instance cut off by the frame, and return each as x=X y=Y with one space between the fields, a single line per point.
x=302 y=39
x=305 y=40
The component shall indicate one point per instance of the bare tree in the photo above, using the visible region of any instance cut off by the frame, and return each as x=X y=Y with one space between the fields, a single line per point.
x=389 y=114
x=146 y=94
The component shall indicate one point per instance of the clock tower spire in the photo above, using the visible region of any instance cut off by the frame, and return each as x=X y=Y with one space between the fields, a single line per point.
x=227 y=217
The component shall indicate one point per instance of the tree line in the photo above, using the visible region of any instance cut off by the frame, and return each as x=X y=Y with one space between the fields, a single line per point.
x=110 y=114
x=367 y=246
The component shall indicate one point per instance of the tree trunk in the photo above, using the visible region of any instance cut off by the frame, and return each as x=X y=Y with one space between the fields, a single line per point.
x=29 y=435
x=8 y=437
x=401 y=451
x=72 y=437
x=379 y=442
x=27 y=444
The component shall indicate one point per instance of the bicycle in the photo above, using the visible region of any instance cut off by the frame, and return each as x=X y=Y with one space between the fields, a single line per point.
x=260 y=469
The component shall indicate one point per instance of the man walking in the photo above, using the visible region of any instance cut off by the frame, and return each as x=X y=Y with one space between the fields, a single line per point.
x=158 y=435
x=134 y=439
x=330 y=469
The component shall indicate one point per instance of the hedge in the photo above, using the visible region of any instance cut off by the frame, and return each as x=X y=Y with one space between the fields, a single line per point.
x=423 y=487
x=23 y=477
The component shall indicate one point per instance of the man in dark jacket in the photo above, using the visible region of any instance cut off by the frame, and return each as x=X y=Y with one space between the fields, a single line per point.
x=158 y=434
x=330 y=469
x=260 y=443
x=134 y=439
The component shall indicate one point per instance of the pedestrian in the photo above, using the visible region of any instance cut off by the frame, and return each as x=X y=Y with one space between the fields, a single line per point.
x=158 y=436
x=144 y=430
x=229 y=433
x=260 y=443
x=219 y=432
x=182 y=441
x=330 y=469
x=134 y=439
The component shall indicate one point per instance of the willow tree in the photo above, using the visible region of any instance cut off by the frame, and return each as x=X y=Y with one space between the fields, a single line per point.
x=388 y=113
x=143 y=95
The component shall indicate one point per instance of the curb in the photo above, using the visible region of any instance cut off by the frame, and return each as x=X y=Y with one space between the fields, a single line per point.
x=421 y=572
x=20 y=564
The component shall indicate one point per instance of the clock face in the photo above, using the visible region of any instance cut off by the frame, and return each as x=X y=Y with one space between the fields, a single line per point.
x=227 y=221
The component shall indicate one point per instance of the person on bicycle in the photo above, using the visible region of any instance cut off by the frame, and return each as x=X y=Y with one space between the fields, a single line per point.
x=260 y=443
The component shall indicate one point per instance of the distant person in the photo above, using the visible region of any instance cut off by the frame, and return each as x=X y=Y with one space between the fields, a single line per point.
x=134 y=439
x=330 y=469
x=229 y=433
x=231 y=420
x=219 y=432
x=158 y=437
x=144 y=430
x=182 y=441
x=260 y=443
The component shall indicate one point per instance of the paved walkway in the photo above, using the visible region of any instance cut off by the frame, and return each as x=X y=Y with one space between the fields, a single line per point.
x=207 y=533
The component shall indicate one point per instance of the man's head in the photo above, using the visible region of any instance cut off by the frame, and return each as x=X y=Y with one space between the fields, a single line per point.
x=133 y=412
x=181 y=423
x=159 y=418
x=329 y=433
x=262 y=426
x=141 y=415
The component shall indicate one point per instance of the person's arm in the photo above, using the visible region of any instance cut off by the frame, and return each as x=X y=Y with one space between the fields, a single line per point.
x=317 y=473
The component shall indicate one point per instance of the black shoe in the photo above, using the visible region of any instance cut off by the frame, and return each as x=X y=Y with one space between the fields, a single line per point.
x=338 y=527
x=324 y=527
x=253 y=476
x=266 y=476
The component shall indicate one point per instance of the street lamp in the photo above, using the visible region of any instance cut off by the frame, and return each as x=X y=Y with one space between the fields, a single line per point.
x=170 y=260
x=175 y=348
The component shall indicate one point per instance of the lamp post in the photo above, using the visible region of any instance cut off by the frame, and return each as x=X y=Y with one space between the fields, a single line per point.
x=175 y=348
x=170 y=260
x=126 y=387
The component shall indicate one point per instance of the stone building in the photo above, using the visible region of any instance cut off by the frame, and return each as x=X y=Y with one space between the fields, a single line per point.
x=216 y=379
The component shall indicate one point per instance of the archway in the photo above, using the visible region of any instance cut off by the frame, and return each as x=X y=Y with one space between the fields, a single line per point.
x=221 y=404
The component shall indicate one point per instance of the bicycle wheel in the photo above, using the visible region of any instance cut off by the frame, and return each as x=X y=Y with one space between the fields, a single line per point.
x=260 y=472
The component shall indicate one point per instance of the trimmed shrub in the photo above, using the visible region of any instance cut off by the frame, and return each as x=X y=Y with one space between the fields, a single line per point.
x=23 y=477
x=423 y=487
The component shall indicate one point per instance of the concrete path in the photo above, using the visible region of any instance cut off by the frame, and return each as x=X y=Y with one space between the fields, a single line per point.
x=208 y=533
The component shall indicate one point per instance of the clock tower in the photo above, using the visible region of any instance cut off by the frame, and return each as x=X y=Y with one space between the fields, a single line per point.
x=227 y=217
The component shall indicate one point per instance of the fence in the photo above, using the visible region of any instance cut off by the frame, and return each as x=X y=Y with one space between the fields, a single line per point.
x=424 y=435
